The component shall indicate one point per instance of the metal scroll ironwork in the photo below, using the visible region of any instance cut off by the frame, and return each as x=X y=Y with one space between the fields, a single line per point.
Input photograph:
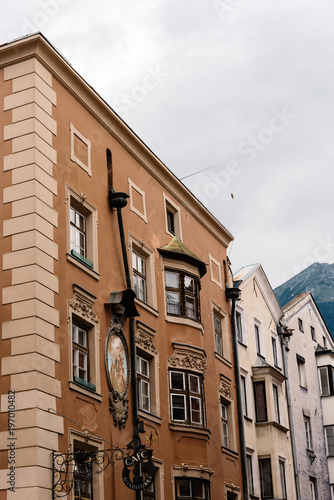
x=88 y=462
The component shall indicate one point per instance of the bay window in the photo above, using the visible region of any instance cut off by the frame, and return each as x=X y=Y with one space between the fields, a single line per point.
x=182 y=294
x=186 y=398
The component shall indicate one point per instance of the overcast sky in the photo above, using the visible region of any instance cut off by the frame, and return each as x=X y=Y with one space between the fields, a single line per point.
x=246 y=86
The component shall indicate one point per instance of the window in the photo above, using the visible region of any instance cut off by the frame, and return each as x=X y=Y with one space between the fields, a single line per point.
x=260 y=401
x=149 y=492
x=147 y=361
x=182 y=294
x=84 y=337
x=224 y=423
x=276 y=403
x=239 y=326
x=308 y=433
x=301 y=371
x=250 y=479
x=139 y=276
x=274 y=346
x=257 y=339
x=170 y=221
x=265 y=478
x=330 y=439
x=143 y=383
x=300 y=325
x=82 y=232
x=172 y=218
x=218 y=334
x=282 y=478
x=313 y=333
x=244 y=394
x=80 y=351
x=192 y=489
x=313 y=488
x=324 y=342
x=83 y=475
x=186 y=398
x=326 y=376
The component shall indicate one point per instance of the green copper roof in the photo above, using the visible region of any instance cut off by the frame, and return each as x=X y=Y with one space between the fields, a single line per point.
x=175 y=249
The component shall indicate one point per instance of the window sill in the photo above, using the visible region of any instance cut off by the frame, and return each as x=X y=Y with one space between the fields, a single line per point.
x=273 y=423
x=190 y=428
x=243 y=344
x=73 y=260
x=248 y=418
x=185 y=321
x=223 y=360
x=79 y=388
x=150 y=416
x=302 y=387
x=230 y=452
x=148 y=308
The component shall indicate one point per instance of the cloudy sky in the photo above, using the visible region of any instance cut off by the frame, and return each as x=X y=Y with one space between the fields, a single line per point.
x=245 y=87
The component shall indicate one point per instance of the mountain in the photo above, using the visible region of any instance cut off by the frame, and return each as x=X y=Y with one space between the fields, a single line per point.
x=317 y=279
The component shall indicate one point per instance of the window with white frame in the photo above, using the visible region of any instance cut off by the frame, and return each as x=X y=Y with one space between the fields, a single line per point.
x=82 y=231
x=217 y=323
x=84 y=335
x=308 y=432
x=143 y=279
x=240 y=326
x=224 y=422
x=276 y=404
x=186 y=398
x=143 y=383
x=172 y=218
x=326 y=377
x=329 y=430
x=147 y=362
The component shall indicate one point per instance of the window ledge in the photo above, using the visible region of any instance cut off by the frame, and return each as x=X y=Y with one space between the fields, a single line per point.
x=185 y=321
x=190 y=428
x=243 y=344
x=230 y=452
x=302 y=387
x=150 y=416
x=223 y=360
x=79 y=388
x=248 y=418
x=78 y=263
x=148 y=308
x=273 y=423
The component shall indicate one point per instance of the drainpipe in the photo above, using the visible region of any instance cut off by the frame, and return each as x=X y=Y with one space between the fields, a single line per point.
x=284 y=334
x=234 y=294
x=119 y=201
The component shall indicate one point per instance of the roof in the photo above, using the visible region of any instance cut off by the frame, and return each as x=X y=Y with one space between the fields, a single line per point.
x=177 y=249
x=36 y=45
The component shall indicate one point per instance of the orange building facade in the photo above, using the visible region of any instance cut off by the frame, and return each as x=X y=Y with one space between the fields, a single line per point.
x=68 y=340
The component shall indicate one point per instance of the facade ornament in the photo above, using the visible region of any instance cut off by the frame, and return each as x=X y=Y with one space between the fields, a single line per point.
x=225 y=387
x=187 y=361
x=117 y=362
x=145 y=341
x=82 y=303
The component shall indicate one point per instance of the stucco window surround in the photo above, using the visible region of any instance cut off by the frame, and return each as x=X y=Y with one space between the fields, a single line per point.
x=176 y=266
x=283 y=477
x=232 y=491
x=87 y=259
x=227 y=412
x=326 y=380
x=172 y=217
x=80 y=145
x=137 y=200
x=266 y=481
x=187 y=476
x=221 y=339
x=81 y=313
x=158 y=480
x=301 y=371
x=252 y=473
x=215 y=271
x=186 y=368
x=276 y=350
x=240 y=321
x=138 y=246
x=246 y=390
x=146 y=349
x=81 y=441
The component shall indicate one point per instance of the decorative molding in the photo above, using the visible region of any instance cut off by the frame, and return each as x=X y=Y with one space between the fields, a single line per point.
x=145 y=338
x=187 y=357
x=82 y=303
x=225 y=387
x=199 y=471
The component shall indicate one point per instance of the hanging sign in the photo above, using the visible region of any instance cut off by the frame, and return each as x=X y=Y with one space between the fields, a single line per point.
x=139 y=482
